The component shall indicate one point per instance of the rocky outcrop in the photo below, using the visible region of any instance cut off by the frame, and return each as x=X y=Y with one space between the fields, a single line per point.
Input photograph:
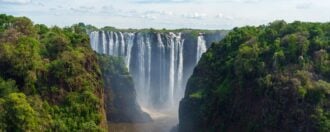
x=120 y=95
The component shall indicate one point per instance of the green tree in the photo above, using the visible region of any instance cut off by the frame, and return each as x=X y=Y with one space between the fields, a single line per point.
x=18 y=114
x=24 y=25
x=7 y=87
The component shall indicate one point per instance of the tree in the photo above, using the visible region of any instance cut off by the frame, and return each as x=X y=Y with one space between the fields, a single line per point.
x=56 y=44
x=27 y=63
x=7 y=87
x=24 y=25
x=5 y=21
x=18 y=114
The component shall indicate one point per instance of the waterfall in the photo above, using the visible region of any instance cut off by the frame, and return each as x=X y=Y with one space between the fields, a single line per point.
x=201 y=47
x=172 y=68
x=116 y=45
x=160 y=63
x=140 y=75
x=148 y=69
x=161 y=68
x=122 y=44
x=94 y=40
x=110 y=43
x=180 y=69
x=103 y=42
x=129 y=39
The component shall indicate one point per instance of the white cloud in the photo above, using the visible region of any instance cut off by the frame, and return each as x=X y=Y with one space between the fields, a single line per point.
x=159 y=12
x=16 y=1
x=304 y=6
x=219 y=15
x=41 y=4
x=161 y=1
x=148 y=16
x=83 y=9
x=251 y=1
x=194 y=15
x=167 y=13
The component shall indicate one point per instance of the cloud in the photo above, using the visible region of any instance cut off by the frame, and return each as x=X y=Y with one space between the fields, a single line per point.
x=251 y=1
x=219 y=15
x=304 y=6
x=41 y=4
x=162 y=1
x=107 y=8
x=83 y=9
x=15 y=1
x=194 y=15
x=148 y=16
x=110 y=10
x=190 y=1
x=160 y=13
x=167 y=13
x=52 y=9
x=226 y=17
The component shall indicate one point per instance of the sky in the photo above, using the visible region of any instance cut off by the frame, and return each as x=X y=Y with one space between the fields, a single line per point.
x=170 y=14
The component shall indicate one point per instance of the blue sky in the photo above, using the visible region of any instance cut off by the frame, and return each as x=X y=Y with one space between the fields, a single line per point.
x=202 y=14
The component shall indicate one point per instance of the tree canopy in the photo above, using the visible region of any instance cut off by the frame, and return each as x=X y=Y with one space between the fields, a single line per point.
x=272 y=77
x=49 y=78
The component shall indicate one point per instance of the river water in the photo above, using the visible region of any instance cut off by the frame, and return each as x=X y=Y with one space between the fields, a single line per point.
x=162 y=122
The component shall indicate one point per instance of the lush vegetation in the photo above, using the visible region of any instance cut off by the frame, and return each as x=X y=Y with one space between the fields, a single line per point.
x=49 y=78
x=269 y=78
x=147 y=30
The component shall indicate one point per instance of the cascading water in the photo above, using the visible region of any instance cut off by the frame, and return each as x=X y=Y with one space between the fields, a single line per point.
x=160 y=63
x=201 y=47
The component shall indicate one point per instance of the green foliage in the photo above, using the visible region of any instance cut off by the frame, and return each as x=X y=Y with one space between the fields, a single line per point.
x=5 y=22
x=55 y=44
x=197 y=95
x=22 y=61
x=24 y=25
x=223 y=90
x=18 y=114
x=194 y=32
x=269 y=78
x=49 y=78
x=78 y=111
x=7 y=87
x=112 y=65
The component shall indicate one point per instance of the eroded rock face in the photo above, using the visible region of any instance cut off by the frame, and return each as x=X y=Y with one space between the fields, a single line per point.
x=120 y=95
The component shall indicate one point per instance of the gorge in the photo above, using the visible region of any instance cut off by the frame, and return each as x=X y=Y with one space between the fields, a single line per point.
x=272 y=77
x=160 y=62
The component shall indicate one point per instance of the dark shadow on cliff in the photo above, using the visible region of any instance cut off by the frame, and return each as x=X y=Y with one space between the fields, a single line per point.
x=120 y=94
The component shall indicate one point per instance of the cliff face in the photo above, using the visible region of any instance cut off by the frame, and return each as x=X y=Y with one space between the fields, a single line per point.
x=267 y=78
x=120 y=95
x=160 y=62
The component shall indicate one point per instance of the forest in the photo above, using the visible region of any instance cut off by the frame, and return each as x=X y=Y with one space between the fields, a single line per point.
x=272 y=77
x=50 y=79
